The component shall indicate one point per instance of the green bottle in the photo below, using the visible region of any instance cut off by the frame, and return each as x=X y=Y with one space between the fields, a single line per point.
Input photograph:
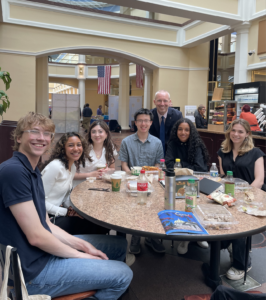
x=229 y=185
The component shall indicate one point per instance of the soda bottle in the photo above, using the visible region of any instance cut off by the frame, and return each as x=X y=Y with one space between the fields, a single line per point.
x=177 y=164
x=229 y=186
x=142 y=188
x=161 y=172
x=214 y=170
x=190 y=196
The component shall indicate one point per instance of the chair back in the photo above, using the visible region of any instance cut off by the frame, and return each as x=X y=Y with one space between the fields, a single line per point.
x=13 y=269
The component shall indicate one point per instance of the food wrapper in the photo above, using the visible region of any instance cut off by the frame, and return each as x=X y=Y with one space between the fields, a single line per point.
x=183 y=171
x=222 y=198
x=253 y=210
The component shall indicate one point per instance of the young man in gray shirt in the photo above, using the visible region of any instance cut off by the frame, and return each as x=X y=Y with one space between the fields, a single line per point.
x=142 y=149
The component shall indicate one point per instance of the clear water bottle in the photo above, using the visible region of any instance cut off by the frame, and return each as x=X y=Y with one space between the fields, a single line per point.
x=142 y=188
x=229 y=185
x=161 y=168
x=214 y=170
x=177 y=164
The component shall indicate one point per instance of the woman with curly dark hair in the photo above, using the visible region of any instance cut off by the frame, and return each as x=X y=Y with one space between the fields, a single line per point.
x=102 y=151
x=185 y=143
x=69 y=153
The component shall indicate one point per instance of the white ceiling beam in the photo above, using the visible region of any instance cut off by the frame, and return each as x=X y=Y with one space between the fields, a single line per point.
x=181 y=10
x=208 y=36
x=1 y=12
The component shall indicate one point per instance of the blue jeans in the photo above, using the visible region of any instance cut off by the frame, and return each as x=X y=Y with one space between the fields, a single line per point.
x=63 y=276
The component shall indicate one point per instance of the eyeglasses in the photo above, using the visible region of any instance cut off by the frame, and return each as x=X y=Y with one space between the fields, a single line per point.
x=143 y=121
x=37 y=134
x=162 y=101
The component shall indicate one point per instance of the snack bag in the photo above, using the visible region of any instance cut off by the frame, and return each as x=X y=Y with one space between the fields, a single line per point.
x=222 y=198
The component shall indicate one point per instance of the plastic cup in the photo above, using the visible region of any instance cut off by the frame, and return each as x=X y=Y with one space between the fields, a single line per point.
x=116 y=182
x=100 y=166
x=122 y=173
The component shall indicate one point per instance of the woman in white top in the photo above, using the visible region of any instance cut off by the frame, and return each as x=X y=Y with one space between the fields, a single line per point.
x=68 y=154
x=102 y=152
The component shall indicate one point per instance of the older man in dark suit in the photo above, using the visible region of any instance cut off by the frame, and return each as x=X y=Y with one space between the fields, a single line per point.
x=164 y=117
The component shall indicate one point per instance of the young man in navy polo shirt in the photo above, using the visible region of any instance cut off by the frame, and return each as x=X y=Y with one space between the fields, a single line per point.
x=53 y=262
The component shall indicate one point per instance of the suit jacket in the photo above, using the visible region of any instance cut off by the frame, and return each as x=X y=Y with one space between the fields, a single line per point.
x=173 y=115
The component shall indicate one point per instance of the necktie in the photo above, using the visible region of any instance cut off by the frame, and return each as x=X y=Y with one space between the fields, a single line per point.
x=162 y=134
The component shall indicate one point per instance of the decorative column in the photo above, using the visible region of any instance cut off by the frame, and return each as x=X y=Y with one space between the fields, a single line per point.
x=42 y=86
x=81 y=74
x=241 y=54
x=123 y=110
x=226 y=42
x=147 y=88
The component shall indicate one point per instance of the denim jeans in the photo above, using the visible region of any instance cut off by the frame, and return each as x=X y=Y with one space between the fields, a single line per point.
x=63 y=276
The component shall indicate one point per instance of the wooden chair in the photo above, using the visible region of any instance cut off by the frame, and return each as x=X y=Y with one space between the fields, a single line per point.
x=14 y=276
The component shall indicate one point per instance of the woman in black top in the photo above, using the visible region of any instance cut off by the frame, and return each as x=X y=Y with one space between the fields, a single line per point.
x=239 y=155
x=200 y=120
x=186 y=144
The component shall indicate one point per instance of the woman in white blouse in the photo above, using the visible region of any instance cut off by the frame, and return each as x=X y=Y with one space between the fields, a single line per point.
x=68 y=154
x=102 y=152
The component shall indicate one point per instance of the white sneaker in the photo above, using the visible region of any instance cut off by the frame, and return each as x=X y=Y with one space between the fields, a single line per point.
x=182 y=248
x=130 y=259
x=203 y=244
x=235 y=274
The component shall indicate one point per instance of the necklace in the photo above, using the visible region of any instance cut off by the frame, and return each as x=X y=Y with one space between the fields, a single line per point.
x=98 y=156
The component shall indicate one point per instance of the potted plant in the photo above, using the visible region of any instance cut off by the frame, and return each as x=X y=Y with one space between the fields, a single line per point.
x=6 y=127
x=4 y=103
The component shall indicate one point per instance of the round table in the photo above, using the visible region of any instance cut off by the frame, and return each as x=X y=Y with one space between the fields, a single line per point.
x=119 y=211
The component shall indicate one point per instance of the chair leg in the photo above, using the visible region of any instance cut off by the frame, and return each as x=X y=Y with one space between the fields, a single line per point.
x=250 y=245
x=248 y=242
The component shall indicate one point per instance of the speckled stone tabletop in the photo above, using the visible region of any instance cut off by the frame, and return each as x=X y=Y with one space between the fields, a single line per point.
x=119 y=209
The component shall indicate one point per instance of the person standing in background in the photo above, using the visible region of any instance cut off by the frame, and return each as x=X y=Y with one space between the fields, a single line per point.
x=200 y=118
x=250 y=117
x=87 y=113
x=163 y=112
x=99 y=111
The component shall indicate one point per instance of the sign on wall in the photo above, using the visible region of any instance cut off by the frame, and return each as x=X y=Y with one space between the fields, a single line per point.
x=189 y=112
x=66 y=112
x=135 y=103
x=113 y=102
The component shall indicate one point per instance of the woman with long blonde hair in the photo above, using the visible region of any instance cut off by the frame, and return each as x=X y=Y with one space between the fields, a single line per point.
x=238 y=154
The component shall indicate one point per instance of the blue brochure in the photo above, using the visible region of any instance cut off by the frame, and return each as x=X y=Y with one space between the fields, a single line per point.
x=177 y=222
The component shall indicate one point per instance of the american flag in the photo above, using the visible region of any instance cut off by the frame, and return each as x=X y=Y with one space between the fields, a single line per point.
x=104 y=79
x=139 y=76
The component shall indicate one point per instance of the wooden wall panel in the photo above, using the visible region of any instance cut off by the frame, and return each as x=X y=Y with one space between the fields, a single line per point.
x=262 y=37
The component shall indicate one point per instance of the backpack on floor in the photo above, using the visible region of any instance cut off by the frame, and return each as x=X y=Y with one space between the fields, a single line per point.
x=118 y=128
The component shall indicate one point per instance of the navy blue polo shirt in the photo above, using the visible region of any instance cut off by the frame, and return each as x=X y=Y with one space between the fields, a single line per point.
x=20 y=183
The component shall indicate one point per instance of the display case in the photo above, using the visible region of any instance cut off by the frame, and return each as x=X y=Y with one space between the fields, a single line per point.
x=221 y=114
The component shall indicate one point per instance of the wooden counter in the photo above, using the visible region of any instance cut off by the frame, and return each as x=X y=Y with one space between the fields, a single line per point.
x=212 y=130
x=214 y=138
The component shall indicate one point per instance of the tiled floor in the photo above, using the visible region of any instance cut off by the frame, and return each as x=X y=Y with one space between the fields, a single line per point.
x=171 y=276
